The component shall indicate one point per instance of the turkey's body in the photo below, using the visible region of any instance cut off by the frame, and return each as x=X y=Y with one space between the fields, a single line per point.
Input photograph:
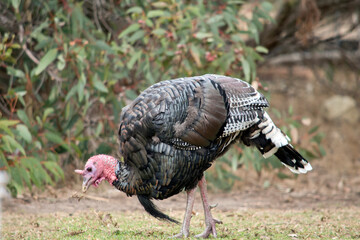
x=175 y=129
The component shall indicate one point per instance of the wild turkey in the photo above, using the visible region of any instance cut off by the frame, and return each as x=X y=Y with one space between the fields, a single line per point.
x=174 y=131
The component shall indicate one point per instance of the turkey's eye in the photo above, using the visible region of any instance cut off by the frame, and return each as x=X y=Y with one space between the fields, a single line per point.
x=89 y=169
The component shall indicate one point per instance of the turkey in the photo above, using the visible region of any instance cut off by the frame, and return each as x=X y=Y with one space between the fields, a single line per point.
x=174 y=130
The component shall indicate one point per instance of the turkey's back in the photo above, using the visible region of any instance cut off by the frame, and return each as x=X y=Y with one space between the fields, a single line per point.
x=174 y=130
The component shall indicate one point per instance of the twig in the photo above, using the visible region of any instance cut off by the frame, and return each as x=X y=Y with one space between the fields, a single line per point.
x=103 y=21
x=4 y=109
x=81 y=196
x=41 y=83
x=95 y=14
x=30 y=54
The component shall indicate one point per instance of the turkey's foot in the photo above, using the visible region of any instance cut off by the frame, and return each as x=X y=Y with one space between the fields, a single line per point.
x=210 y=228
x=181 y=234
x=209 y=220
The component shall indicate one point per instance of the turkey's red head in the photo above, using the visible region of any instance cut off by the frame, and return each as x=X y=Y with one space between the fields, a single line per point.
x=97 y=169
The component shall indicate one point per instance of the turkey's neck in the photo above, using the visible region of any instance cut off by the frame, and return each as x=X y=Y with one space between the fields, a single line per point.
x=109 y=168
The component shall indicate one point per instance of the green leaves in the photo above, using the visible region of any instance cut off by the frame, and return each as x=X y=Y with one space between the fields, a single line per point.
x=15 y=4
x=160 y=4
x=155 y=13
x=99 y=85
x=134 y=59
x=159 y=31
x=57 y=139
x=23 y=117
x=5 y=124
x=261 y=49
x=132 y=28
x=54 y=168
x=37 y=173
x=134 y=9
x=24 y=132
x=136 y=36
x=267 y=6
x=24 y=170
x=12 y=145
x=246 y=68
x=53 y=137
x=167 y=32
x=47 y=112
x=46 y=60
x=15 y=72
x=202 y=35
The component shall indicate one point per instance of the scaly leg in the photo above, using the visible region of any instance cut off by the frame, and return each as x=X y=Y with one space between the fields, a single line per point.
x=188 y=213
x=209 y=220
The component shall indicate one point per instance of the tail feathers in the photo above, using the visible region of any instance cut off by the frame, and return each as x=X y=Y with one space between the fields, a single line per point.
x=270 y=140
x=266 y=136
x=150 y=207
x=293 y=160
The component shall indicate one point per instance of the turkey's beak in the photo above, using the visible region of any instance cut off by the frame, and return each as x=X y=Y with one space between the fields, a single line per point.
x=86 y=183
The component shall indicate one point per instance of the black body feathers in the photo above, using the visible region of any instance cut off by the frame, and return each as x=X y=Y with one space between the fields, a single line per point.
x=175 y=129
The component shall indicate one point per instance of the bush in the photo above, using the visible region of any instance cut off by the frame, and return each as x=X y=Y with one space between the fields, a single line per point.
x=74 y=65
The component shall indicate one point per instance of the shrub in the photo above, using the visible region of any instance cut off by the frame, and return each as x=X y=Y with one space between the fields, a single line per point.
x=75 y=64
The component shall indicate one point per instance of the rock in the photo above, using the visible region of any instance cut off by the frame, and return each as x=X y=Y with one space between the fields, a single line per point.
x=342 y=108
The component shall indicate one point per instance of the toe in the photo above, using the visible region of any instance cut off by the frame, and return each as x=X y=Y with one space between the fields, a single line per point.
x=181 y=234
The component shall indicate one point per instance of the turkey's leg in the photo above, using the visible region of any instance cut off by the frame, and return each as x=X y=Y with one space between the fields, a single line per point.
x=209 y=220
x=188 y=213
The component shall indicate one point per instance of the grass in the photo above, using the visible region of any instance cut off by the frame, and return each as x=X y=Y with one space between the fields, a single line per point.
x=242 y=224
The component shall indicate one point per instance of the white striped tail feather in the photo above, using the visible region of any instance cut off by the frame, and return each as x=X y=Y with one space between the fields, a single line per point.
x=270 y=140
x=293 y=160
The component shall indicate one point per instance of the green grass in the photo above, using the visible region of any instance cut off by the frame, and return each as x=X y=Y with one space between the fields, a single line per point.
x=252 y=224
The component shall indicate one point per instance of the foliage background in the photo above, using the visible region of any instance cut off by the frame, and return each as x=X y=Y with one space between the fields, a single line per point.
x=68 y=68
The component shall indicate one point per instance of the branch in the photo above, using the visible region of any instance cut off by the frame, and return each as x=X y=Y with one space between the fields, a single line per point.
x=296 y=57
x=33 y=58
x=96 y=19
x=4 y=108
x=8 y=21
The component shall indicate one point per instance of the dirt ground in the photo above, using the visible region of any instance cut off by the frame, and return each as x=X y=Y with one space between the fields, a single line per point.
x=334 y=183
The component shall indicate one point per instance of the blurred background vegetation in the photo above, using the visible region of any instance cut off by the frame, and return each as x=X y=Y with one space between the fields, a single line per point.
x=68 y=67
